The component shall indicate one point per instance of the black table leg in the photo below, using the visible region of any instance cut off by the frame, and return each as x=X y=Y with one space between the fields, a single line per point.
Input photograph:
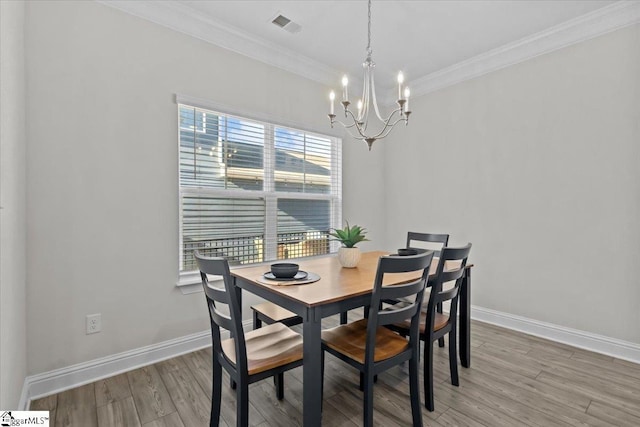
x=312 y=370
x=465 y=320
x=343 y=318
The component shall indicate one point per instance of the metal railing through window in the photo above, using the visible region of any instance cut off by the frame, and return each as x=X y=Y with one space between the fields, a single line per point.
x=250 y=249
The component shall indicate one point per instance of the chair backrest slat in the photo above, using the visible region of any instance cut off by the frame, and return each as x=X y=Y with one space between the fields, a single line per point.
x=220 y=319
x=446 y=295
x=391 y=316
x=397 y=292
x=402 y=264
x=429 y=238
x=448 y=276
x=215 y=294
x=458 y=253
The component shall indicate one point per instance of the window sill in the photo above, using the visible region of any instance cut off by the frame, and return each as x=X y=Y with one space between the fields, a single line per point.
x=190 y=283
x=186 y=279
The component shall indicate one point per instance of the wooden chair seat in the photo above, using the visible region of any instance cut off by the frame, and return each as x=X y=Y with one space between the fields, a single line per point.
x=267 y=348
x=350 y=340
x=270 y=313
x=440 y=321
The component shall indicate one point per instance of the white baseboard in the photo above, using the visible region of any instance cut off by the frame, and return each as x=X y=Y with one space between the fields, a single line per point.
x=593 y=342
x=47 y=383
x=83 y=373
x=58 y=380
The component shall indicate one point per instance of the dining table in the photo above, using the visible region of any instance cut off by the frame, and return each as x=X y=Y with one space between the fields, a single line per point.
x=337 y=291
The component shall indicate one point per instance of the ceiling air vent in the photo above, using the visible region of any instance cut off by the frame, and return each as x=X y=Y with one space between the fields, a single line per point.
x=286 y=24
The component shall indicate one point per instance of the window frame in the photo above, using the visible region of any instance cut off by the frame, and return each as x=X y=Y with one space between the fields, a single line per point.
x=268 y=193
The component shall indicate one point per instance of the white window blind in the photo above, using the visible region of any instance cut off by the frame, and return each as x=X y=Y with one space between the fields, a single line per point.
x=253 y=191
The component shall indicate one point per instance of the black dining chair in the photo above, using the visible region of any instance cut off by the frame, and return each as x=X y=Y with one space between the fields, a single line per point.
x=247 y=357
x=372 y=348
x=434 y=325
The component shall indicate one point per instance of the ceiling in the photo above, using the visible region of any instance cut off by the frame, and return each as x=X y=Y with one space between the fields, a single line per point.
x=435 y=43
x=417 y=37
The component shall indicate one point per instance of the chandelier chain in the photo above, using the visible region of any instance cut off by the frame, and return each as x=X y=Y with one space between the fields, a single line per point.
x=369 y=51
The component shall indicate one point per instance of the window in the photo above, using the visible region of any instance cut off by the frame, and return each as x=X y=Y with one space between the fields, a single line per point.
x=252 y=191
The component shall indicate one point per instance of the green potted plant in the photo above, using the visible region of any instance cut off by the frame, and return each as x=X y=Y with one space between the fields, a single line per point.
x=350 y=236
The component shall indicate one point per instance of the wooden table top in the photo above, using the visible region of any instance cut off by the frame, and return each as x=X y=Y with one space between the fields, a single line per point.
x=336 y=283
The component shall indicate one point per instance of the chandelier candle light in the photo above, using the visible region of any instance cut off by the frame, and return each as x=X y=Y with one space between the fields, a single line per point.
x=359 y=122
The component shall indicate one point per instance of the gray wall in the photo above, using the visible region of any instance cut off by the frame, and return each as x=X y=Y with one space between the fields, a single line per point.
x=103 y=180
x=537 y=165
x=13 y=341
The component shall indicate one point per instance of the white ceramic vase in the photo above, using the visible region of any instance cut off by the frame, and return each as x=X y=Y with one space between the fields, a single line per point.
x=349 y=257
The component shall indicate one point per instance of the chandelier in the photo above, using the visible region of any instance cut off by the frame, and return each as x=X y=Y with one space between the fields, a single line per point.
x=358 y=124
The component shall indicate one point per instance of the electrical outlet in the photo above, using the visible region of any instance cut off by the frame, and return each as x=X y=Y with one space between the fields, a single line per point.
x=94 y=323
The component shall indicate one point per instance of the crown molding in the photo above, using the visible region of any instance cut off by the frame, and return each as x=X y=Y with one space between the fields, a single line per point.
x=181 y=18
x=604 y=20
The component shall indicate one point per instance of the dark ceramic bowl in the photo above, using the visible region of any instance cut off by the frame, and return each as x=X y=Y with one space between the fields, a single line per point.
x=284 y=270
x=407 y=251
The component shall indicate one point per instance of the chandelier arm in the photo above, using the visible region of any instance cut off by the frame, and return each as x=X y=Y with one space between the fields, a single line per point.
x=364 y=122
x=388 y=130
x=357 y=126
x=346 y=113
x=360 y=136
x=387 y=126
x=364 y=114
x=388 y=119
x=375 y=100
x=356 y=137
x=353 y=117
x=343 y=124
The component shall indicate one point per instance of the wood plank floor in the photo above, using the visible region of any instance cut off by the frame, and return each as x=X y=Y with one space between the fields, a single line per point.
x=515 y=380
